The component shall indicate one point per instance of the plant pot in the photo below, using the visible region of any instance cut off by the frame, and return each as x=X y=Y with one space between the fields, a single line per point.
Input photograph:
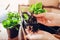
x=13 y=32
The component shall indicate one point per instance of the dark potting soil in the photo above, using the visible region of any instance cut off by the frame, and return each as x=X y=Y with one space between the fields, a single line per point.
x=14 y=31
x=52 y=30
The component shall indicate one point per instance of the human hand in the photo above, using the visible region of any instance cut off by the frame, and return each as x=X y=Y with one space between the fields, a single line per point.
x=49 y=19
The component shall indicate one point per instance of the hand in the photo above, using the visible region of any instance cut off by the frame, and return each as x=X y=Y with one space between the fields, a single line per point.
x=40 y=35
x=40 y=18
x=49 y=19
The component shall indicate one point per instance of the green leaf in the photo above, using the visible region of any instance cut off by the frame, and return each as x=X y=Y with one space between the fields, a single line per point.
x=36 y=12
x=41 y=10
x=6 y=23
x=26 y=17
x=11 y=14
x=37 y=8
x=31 y=8
x=12 y=20
x=38 y=5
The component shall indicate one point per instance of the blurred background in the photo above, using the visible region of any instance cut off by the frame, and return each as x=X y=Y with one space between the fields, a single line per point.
x=13 y=6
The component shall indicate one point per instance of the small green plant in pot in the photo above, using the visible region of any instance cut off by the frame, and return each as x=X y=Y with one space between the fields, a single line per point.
x=37 y=9
x=11 y=23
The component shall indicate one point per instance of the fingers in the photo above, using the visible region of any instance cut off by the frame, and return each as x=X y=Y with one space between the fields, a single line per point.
x=41 y=19
x=28 y=30
x=38 y=15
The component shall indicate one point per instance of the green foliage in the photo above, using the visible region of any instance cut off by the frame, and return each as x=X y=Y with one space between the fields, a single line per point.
x=37 y=8
x=12 y=20
x=26 y=17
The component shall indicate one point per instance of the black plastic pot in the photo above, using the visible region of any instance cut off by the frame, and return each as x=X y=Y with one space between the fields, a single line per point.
x=13 y=32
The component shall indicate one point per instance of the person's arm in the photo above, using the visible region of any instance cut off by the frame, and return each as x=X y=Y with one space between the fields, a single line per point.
x=41 y=35
x=54 y=19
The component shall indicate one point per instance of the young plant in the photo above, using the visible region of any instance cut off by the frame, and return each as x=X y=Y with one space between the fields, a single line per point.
x=37 y=8
x=12 y=20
